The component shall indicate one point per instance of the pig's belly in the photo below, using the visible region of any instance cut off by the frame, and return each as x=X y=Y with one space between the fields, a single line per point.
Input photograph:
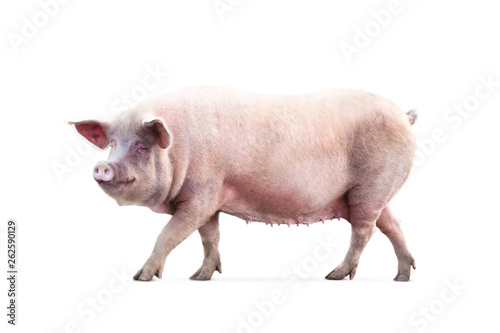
x=275 y=206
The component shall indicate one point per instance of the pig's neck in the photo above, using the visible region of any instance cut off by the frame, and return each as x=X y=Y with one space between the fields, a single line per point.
x=174 y=181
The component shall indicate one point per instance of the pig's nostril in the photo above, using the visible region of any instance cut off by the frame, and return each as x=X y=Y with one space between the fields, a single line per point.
x=103 y=172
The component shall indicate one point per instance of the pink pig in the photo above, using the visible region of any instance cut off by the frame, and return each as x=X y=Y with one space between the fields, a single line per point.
x=280 y=159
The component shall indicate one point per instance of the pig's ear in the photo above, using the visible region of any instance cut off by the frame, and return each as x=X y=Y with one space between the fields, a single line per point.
x=156 y=127
x=94 y=131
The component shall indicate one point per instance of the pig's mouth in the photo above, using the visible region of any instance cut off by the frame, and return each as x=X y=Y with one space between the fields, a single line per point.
x=116 y=184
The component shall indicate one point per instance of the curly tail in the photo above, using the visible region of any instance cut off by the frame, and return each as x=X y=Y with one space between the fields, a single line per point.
x=412 y=116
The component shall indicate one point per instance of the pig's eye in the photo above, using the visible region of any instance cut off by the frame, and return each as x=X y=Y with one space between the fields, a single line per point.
x=141 y=148
x=112 y=144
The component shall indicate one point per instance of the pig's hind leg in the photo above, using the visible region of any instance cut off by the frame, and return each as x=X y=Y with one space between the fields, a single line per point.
x=389 y=225
x=362 y=219
x=209 y=233
x=367 y=209
x=366 y=203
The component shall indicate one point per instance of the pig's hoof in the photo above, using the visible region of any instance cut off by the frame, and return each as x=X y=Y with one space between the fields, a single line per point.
x=402 y=277
x=206 y=271
x=152 y=267
x=201 y=276
x=341 y=271
x=335 y=275
x=143 y=276
x=404 y=270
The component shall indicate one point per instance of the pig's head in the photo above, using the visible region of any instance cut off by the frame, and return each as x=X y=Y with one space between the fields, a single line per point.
x=138 y=170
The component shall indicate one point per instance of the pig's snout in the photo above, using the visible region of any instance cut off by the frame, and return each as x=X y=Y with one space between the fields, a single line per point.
x=103 y=172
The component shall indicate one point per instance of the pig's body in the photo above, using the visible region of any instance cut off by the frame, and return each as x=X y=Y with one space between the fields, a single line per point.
x=278 y=159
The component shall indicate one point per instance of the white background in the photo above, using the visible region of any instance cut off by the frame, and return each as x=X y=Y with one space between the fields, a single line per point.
x=73 y=239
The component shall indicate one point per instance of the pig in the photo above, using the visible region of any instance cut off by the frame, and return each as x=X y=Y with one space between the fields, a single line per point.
x=277 y=159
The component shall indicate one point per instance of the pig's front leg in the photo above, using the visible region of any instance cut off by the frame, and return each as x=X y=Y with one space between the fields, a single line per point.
x=209 y=233
x=183 y=223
